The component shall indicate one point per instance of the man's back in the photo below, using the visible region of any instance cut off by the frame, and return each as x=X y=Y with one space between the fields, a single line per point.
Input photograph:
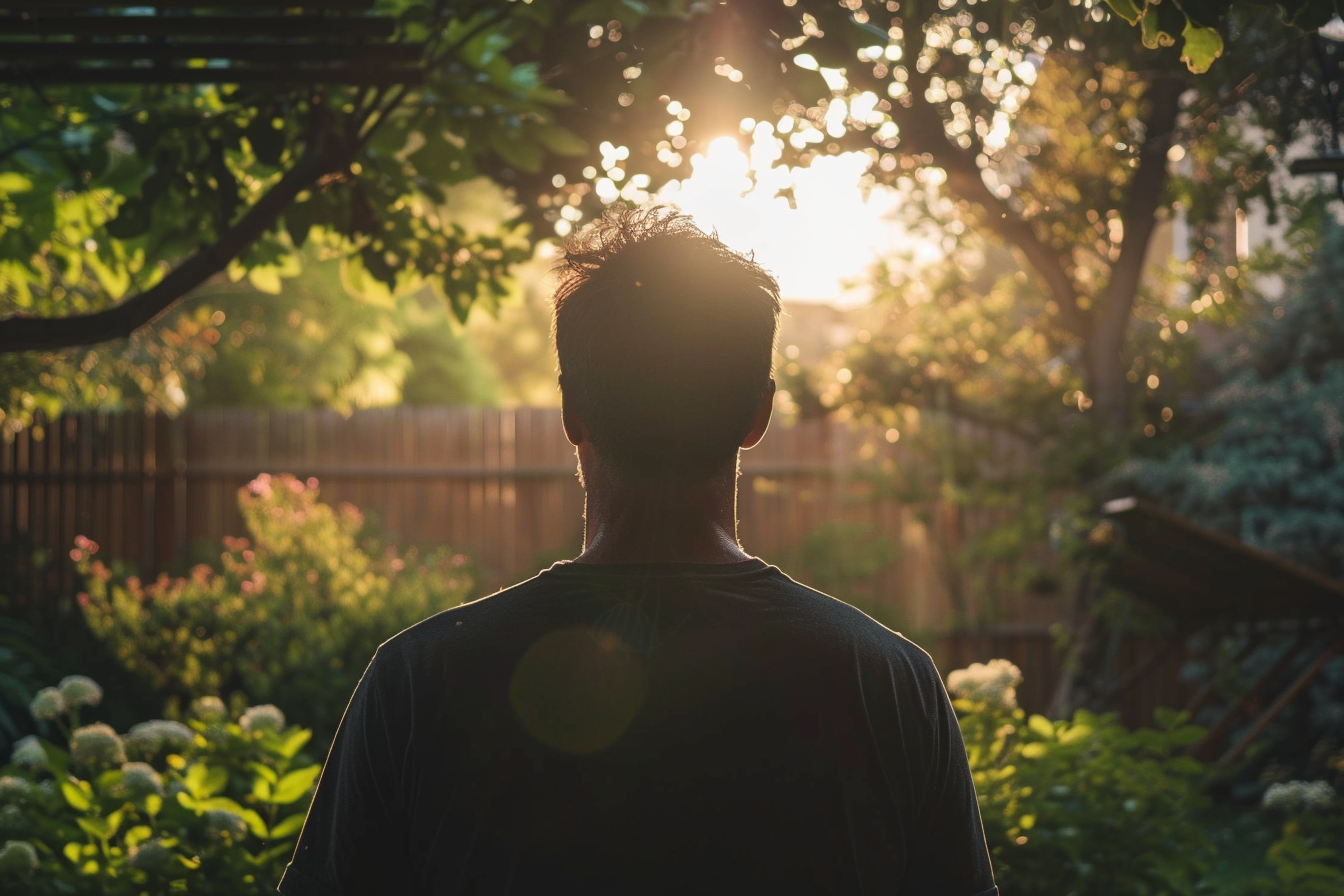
x=642 y=728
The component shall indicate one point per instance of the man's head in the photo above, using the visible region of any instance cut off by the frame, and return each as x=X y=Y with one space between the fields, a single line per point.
x=665 y=338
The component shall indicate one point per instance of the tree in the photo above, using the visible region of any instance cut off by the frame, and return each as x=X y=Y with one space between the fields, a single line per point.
x=202 y=178
x=1261 y=458
x=1199 y=24
x=115 y=201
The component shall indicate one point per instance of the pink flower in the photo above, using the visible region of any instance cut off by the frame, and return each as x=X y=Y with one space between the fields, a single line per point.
x=261 y=486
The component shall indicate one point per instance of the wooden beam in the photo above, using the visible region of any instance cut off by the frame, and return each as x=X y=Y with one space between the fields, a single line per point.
x=306 y=25
x=47 y=7
x=1205 y=746
x=1262 y=721
x=373 y=76
x=70 y=52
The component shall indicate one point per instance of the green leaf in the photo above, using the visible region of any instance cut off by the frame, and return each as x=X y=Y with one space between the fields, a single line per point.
x=523 y=154
x=288 y=826
x=1042 y=727
x=265 y=279
x=98 y=828
x=12 y=182
x=254 y=823
x=71 y=852
x=1202 y=46
x=1129 y=10
x=295 y=784
x=295 y=742
x=77 y=794
x=1034 y=750
x=137 y=834
x=203 y=781
x=265 y=772
x=561 y=141
x=1153 y=35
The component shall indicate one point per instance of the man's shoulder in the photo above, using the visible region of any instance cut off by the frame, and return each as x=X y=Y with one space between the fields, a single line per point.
x=464 y=621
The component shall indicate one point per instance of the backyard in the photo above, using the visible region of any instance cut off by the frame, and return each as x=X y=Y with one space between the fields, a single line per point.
x=1060 y=391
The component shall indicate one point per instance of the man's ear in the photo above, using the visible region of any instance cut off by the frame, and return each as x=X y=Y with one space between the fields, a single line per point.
x=575 y=431
x=761 y=421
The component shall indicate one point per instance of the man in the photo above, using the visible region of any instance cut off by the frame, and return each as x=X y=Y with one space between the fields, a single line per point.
x=665 y=713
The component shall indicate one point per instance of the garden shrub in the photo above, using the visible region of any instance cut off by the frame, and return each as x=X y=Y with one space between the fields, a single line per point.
x=210 y=806
x=291 y=615
x=1082 y=806
x=1308 y=857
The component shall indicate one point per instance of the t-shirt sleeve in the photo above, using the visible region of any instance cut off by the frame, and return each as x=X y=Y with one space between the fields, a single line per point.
x=353 y=841
x=947 y=855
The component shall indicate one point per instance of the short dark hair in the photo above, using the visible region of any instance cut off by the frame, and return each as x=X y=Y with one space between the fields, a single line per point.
x=665 y=338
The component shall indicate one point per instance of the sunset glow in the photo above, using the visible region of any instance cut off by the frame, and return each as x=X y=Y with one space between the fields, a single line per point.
x=820 y=248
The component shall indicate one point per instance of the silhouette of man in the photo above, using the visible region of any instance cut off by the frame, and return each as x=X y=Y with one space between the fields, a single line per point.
x=665 y=713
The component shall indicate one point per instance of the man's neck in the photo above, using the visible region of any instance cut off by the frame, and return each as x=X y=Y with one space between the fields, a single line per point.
x=632 y=520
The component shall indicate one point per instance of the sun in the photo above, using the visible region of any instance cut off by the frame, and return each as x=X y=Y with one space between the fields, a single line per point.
x=821 y=247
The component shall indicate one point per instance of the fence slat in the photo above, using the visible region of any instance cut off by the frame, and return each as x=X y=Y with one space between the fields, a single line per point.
x=498 y=485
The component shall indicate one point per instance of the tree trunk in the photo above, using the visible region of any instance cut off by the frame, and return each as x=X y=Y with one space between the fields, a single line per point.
x=1105 y=363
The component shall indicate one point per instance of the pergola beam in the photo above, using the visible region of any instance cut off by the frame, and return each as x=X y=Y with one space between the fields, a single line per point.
x=379 y=76
x=304 y=25
x=73 y=52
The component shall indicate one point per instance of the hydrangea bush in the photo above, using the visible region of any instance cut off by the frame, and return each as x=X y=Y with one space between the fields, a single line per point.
x=291 y=614
x=209 y=806
x=1082 y=806
x=1308 y=857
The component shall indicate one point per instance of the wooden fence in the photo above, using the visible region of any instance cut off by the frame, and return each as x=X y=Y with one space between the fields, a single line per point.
x=499 y=485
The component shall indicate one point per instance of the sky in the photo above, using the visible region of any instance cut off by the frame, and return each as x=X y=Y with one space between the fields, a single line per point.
x=819 y=249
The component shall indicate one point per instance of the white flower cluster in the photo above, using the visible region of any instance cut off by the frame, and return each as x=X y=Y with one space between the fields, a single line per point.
x=14 y=789
x=1298 y=796
x=48 y=705
x=18 y=857
x=28 y=753
x=96 y=745
x=139 y=780
x=80 y=690
x=150 y=855
x=149 y=738
x=993 y=683
x=266 y=717
x=225 y=824
x=209 y=709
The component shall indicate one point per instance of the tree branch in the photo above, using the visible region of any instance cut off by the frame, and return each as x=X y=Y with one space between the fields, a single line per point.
x=922 y=131
x=27 y=333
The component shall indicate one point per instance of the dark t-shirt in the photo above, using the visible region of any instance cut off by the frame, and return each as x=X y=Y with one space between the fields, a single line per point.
x=652 y=728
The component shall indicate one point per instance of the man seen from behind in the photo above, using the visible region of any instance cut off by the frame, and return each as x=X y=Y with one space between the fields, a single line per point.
x=665 y=713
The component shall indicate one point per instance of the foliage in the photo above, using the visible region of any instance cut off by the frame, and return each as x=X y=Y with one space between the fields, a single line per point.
x=22 y=664
x=127 y=197
x=291 y=615
x=1262 y=458
x=1083 y=805
x=208 y=807
x=1308 y=857
x=1197 y=23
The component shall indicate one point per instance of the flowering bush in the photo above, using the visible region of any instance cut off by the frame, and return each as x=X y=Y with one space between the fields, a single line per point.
x=203 y=807
x=1308 y=857
x=1080 y=806
x=291 y=615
